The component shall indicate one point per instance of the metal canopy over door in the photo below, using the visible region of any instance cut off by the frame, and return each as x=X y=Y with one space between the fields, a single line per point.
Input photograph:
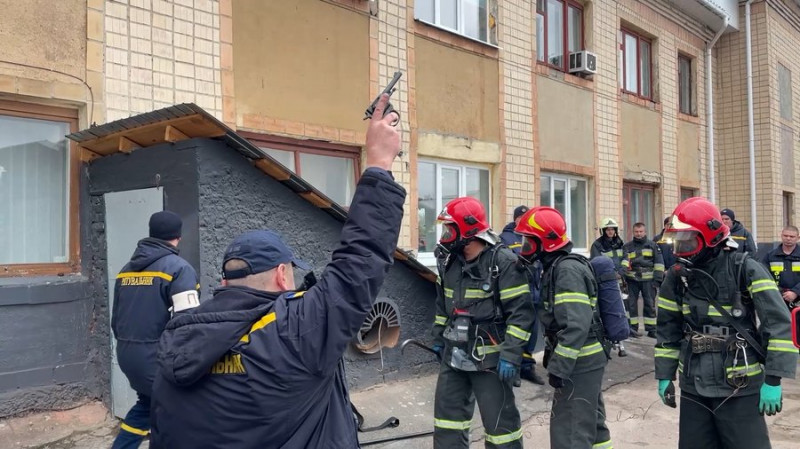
x=127 y=216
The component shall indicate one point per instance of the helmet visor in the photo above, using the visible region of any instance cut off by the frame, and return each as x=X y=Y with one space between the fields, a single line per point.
x=449 y=233
x=529 y=246
x=685 y=243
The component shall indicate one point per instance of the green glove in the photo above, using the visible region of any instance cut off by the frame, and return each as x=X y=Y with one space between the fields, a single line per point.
x=666 y=390
x=770 y=401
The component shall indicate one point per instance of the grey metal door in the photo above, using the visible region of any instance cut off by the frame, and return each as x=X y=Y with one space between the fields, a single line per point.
x=127 y=215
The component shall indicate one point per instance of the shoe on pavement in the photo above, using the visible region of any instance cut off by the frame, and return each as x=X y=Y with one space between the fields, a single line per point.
x=531 y=376
x=622 y=353
x=635 y=333
x=651 y=334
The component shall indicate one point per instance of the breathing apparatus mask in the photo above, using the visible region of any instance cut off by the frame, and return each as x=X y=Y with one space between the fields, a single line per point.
x=531 y=249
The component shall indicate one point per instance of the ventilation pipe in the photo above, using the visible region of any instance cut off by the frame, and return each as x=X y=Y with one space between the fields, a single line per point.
x=710 y=96
x=381 y=328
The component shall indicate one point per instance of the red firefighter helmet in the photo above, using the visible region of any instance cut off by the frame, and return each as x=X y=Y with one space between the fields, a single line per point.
x=543 y=229
x=466 y=215
x=695 y=224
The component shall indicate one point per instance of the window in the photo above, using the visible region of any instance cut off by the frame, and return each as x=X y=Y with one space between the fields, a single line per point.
x=787 y=155
x=637 y=206
x=788 y=206
x=559 y=25
x=567 y=194
x=685 y=85
x=785 y=91
x=38 y=190
x=470 y=18
x=687 y=192
x=332 y=169
x=438 y=183
x=636 y=66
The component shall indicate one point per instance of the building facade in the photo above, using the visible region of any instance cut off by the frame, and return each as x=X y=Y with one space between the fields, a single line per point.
x=489 y=107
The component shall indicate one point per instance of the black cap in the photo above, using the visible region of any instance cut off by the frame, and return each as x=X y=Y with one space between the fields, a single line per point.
x=261 y=251
x=729 y=213
x=165 y=225
x=520 y=211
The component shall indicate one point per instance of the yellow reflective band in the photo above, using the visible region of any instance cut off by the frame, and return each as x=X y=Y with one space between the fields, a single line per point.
x=197 y=287
x=591 y=349
x=472 y=293
x=438 y=279
x=513 y=292
x=666 y=304
x=647 y=276
x=514 y=331
x=795 y=266
x=752 y=369
x=647 y=252
x=761 y=285
x=685 y=309
x=566 y=351
x=712 y=311
x=776 y=266
x=667 y=353
x=781 y=346
x=440 y=320
x=739 y=237
x=618 y=252
x=134 y=430
x=505 y=438
x=631 y=255
x=576 y=297
x=487 y=349
x=448 y=293
x=526 y=355
x=659 y=267
x=266 y=319
x=649 y=321
x=634 y=320
x=680 y=366
x=608 y=254
x=133 y=274
x=603 y=445
x=515 y=245
x=452 y=425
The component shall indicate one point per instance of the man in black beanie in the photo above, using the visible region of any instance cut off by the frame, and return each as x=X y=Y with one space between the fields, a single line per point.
x=739 y=233
x=154 y=285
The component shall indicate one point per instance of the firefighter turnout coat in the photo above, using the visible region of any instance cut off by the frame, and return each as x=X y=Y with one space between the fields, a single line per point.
x=715 y=369
x=642 y=261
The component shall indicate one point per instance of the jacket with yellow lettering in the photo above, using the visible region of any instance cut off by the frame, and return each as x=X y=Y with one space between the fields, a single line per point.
x=260 y=370
x=569 y=293
x=501 y=308
x=684 y=311
x=143 y=295
x=642 y=261
x=785 y=268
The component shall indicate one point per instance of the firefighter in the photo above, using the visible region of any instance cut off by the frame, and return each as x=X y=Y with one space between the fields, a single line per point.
x=644 y=270
x=784 y=263
x=665 y=246
x=514 y=242
x=610 y=244
x=484 y=312
x=154 y=284
x=575 y=359
x=739 y=233
x=716 y=349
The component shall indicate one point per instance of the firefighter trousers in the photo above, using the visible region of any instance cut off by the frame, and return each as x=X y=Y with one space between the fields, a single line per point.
x=456 y=394
x=578 y=418
x=648 y=290
x=735 y=424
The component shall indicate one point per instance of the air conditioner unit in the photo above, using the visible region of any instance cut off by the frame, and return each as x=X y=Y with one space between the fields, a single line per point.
x=584 y=62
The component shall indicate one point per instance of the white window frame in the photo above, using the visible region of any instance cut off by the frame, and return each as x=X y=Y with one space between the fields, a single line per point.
x=568 y=204
x=427 y=258
x=460 y=30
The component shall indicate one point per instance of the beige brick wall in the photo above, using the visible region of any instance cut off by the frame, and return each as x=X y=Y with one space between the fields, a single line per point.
x=159 y=53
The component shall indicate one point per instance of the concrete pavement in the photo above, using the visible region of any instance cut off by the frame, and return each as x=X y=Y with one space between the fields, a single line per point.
x=636 y=416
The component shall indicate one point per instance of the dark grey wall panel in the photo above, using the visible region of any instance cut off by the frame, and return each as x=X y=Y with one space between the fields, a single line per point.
x=235 y=197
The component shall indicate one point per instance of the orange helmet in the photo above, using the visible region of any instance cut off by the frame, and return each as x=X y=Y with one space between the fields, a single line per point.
x=463 y=218
x=543 y=229
x=694 y=225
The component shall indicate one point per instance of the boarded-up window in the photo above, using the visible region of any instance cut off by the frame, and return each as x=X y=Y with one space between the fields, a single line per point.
x=787 y=155
x=788 y=208
x=785 y=91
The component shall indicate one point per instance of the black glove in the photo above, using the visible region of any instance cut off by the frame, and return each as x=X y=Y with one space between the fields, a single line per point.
x=555 y=381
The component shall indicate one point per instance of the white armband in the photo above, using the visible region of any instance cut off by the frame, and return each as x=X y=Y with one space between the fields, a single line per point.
x=185 y=300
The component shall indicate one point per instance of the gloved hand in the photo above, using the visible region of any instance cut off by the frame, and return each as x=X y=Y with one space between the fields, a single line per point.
x=555 y=381
x=770 y=401
x=506 y=370
x=666 y=390
x=438 y=349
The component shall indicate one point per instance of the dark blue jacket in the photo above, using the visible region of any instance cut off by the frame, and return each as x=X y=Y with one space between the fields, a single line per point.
x=142 y=298
x=666 y=250
x=250 y=369
x=514 y=241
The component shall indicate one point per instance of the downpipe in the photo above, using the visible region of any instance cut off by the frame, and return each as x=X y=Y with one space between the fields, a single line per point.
x=750 y=126
x=710 y=103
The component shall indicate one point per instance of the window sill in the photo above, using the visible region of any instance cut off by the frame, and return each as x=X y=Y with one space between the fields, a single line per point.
x=641 y=101
x=31 y=270
x=689 y=118
x=454 y=38
x=543 y=68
